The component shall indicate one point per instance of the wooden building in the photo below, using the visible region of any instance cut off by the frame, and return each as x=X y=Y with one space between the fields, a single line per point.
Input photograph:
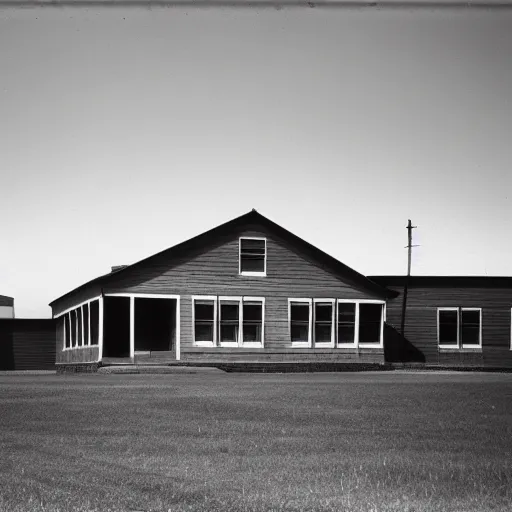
x=450 y=321
x=27 y=344
x=249 y=291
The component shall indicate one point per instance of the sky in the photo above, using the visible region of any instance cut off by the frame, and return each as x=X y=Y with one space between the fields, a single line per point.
x=124 y=131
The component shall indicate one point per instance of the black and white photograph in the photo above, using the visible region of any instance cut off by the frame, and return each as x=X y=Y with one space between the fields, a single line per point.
x=255 y=256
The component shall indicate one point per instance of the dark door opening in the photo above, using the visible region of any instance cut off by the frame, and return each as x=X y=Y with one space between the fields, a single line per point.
x=155 y=325
x=116 y=327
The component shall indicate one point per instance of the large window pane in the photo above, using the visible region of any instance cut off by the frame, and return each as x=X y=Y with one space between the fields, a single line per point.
x=229 y=321
x=67 y=331
x=252 y=255
x=73 y=328
x=346 y=322
x=470 y=327
x=86 y=324
x=448 y=321
x=299 y=321
x=370 y=318
x=253 y=317
x=204 y=320
x=79 y=320
x=323 y=322
x=95 y=320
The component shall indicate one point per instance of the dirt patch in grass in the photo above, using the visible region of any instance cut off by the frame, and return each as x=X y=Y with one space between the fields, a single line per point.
x=249 y=442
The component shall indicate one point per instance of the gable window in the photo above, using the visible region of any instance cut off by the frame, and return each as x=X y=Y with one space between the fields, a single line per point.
x=253 y=256
x=300 y=321
x=204 y=311
x=324 y=322
x=459 y=327
x=346 y=323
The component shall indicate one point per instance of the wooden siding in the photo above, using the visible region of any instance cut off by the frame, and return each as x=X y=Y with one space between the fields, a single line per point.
x=215 y=271
x=27 y=344
x=421 y=323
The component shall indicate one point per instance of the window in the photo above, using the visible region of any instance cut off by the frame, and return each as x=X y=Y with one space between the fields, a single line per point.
x=470 y=326
x=85 y=315
x=346 y=323
x=74 y=330
x=300 y=321
x=252 y=328
x=240 y=321
x=370 y=323
x=229 y=319
x=204 y=310
x=324 y=322
x=459 y=327
x=359 y=323
x=94 y=320
x=80 y=332
x=253 y=256
x=67 y=337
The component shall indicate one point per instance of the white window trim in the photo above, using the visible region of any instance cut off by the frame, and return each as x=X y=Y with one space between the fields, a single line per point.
x=236 y=343
x=253 y=344
x=356 y=343
x=253 y=274
x=212 y=343
x=453 y=347
x=472 y=345
x=382 y=322
x=330 y=344
x=77 y=306
x=356 y=321
x=298 y=344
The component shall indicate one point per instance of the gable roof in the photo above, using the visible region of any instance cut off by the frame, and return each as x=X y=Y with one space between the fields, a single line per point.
x=250 y=218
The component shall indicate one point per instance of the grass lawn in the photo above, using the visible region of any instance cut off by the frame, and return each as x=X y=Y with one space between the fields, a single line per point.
x=256 y=442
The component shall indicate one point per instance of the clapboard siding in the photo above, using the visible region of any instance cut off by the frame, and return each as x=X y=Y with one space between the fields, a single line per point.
x=421 y=322
x=78 y=355
x=27 y=344
x=214 y=271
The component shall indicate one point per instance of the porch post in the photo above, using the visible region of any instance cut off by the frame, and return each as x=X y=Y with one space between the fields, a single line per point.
x=177 y=330
x=100 y=330
x=132 y=326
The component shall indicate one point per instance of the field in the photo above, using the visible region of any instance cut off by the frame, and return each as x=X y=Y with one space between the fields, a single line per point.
x=254 y=442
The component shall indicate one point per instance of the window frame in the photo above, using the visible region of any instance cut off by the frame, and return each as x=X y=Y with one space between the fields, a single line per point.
x=251 y=273
x=354 y=344
x=301 y=344
x=212 y=343
x=453 y=347
x=460 y=345
x=329 y=344
x=236 y=343
x=471 y=345
x=357 y=303
x=253 y=344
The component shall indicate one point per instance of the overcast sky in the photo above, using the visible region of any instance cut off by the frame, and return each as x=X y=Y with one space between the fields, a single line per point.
x=124 y=131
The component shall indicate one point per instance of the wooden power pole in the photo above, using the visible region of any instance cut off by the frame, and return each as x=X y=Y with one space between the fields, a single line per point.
x=409 y=247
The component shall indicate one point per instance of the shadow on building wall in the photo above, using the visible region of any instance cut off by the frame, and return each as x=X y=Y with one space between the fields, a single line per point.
x=398 y=349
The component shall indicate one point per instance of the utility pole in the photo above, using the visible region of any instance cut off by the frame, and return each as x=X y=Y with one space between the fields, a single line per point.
x=409 y=247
